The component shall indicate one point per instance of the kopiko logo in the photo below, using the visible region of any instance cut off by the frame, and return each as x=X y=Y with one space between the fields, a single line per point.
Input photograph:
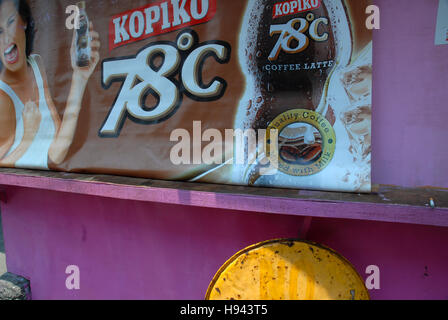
x=293 y=7
x=158 y=18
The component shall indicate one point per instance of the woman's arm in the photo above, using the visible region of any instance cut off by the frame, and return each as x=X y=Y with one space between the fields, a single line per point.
x=66 y=131
x=48 y=97
x=7 y=124
x=31 y=121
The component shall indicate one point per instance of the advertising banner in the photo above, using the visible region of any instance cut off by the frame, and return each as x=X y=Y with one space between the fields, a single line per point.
x=258 y=92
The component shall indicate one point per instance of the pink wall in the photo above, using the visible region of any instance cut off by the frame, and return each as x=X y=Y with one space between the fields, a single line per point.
x=137 y=250
x=125 y=249
x=413 y=259
x=410 y=97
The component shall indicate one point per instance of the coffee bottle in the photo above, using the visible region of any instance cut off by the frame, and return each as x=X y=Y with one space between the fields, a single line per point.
x=82 y=37
x=288 y=51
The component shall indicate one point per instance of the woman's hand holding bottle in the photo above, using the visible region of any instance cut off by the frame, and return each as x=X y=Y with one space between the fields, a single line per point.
x=81 y=74
x=84 y=73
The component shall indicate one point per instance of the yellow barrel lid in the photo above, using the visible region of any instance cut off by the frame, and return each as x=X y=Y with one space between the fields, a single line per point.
x=287 y=269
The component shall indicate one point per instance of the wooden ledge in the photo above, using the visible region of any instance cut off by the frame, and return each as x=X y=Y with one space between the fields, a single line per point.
x=388 y=203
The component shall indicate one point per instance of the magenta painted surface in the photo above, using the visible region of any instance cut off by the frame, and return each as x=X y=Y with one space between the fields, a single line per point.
x=410 y=97
x=141 y=250
x=125 y=249
x=384 y=211
x=413 y=260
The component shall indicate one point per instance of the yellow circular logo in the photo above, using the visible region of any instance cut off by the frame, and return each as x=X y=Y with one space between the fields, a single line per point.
x=306 y=142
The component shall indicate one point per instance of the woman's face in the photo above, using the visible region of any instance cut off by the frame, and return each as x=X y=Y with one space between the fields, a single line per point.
x=12 y=37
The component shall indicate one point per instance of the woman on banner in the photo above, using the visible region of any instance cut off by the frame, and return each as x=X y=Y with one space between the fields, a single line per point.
x=31 y=133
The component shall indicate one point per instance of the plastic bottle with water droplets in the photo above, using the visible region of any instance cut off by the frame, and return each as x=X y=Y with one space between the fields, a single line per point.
x=82 y=37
